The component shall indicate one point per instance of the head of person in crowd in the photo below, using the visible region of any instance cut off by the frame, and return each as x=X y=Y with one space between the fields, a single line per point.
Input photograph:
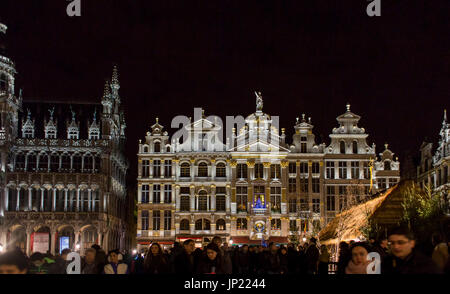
x=323 y=248
x=96 y=247
x=383 y=242
x=37 y=259
x=89 y=257
x=212 y=251
x=189 y=246
x=13 y=262
x=283 y=250
x=359 y=251
x=155 y=249
x=217 y=240
x=352 y=242
x=244 y=248
x=401 y=242
x=114 y=256
x=64 y=253
x=343 y=246
x=313 y=240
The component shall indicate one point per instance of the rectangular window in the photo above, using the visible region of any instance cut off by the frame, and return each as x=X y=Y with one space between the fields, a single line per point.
x=381 y=183
x=220 y=199
x=275 y=199
x=185 y=203
x=241 y=171
x=316 y=185
x=167 y=193
x=275 y=171
x=355 y=169
x=144 y=220
x=303 y=146
x=366 y=170
x=342 y=169
x=156 y=193
x=292 y=185
x=316 y=205
x=392 y=182
x=304 y=205
x=259 y=171
x=292 y=168
x=331 y=198
x=145 y=168
x=304 y=185
x=241 y=199
x=330 y=169
x=293 y=225
x=145 y=193
x=167 y=220
x=156 y=168
x=303 y=167
x=304 y=225
x=167 y=168
x=315 y=168
x=156 y=220
x=292 y=205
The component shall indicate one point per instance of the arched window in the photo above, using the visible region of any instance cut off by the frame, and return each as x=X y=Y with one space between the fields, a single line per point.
x=43 y=162
x=65 y=162
x=220 y=225
x=198 y=225
x=145 y=149
x=31 y=164
x=3 y=82
x=342 y=147
x=202 y=201
x=185 y=170
x=220 y=170
x=206 y=224
x=20 y=161
x=184 y=225
x=76 y=163
x=157 y=147
x=355 y=147
x=387 y=165
x=168 y=149
x=202 y=170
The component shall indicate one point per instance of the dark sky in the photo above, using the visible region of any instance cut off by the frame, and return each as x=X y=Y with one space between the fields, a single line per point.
x=305 y=56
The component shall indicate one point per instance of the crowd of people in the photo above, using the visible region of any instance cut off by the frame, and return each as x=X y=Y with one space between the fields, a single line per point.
x=397 y=251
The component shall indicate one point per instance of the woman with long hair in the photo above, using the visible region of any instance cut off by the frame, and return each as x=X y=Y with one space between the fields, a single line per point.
x=155 y=261
x=212 y=262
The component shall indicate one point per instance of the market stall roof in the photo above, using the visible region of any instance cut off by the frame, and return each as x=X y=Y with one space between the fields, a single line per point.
x=385 y=210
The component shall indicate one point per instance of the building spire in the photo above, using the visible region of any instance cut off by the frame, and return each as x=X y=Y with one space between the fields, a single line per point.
x=106 y=92
x=445 y=116
x=259 y=101
x=115 y=76
x=348 y=107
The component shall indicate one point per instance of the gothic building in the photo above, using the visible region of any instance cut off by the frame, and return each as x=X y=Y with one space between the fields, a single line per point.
x=434 y=169
x=62 y=170
x=254 y=186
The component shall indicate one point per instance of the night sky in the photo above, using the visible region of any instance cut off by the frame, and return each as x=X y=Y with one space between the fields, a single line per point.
x=310 y=57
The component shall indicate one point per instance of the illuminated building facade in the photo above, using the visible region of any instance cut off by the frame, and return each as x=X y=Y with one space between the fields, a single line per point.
x=255 y=186
x=63 y=170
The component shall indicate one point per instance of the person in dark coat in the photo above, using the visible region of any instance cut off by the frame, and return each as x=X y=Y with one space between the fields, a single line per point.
x=404 y=258
x=88 y=265
x=272 y=260
x=212 y=262
x=155 y=261
x=301 y=260
x=284 y=260
x=381 y=246
x=312 y=257
x=260 y=260
x=242 y=260
x=100 y=258
x=60 y=265
x=184 y=261
x=228 y=266
x=198 y=255
x=345 y=256
x=293 y=260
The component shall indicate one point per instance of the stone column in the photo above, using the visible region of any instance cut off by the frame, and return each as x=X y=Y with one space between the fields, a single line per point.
x=175 y=169
x=30 y=198
x=65 y=198
x=162 y=168
x=28 y=249
x=18 y=199
x=213 y=169
x=78 y=199
x=52 y=241
x=6 y=200
x=213 y=198
x=139 y=195
x=177 y=197
x=150 y=196
x=54 y=200
x=192 y=169
x=266 y=172
x=230 y=197
x=193 y=200
x=150 y=168
x=89 y=199
x=42 y=199
x=162 y=189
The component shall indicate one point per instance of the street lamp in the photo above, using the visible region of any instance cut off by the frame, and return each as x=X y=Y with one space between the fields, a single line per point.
x=1 y=247
x=231 y=242
x=77 y=247
x=134 y=251
x=304 y=239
